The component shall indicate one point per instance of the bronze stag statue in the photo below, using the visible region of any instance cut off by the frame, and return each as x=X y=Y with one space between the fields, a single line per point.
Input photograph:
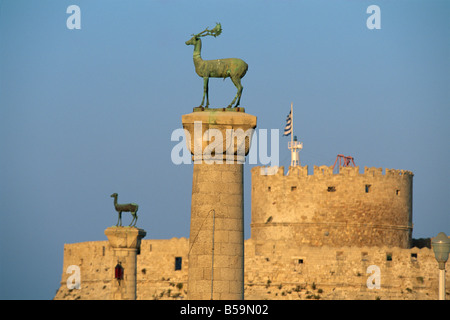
x=221 y=68
x=129 y=207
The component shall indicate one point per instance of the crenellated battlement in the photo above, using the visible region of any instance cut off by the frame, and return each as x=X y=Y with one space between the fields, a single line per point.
x=395 y=172
x=324 y=170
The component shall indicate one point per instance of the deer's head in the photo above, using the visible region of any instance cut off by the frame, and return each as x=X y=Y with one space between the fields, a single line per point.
x=114 y=195
x=192 y=41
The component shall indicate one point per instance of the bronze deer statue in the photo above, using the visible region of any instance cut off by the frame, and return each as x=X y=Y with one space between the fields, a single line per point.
x=221 y=68
x=129 y=207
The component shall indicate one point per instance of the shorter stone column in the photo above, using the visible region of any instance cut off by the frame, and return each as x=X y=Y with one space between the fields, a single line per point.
x=126 y=243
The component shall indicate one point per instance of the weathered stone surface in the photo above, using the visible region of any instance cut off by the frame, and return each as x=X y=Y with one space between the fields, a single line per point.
x=219 y=136
x=313 y=236
x=125 y=243
x=345 y=209
x=217 y=213
x=272 y=271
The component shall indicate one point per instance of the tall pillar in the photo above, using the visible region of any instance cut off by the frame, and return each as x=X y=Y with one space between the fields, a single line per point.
x=126 y=244
x=219 y=140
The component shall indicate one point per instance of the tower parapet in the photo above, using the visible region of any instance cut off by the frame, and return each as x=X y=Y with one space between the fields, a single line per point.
x=345 y=209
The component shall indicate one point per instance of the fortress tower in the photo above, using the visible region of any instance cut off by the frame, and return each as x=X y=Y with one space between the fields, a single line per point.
x=219 y=140
x=345 y=209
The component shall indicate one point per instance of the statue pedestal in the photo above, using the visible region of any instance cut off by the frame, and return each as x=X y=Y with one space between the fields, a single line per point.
x=216 y=241
x=126 y=244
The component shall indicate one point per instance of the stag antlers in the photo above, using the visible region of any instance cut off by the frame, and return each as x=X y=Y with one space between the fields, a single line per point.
x=216 y=31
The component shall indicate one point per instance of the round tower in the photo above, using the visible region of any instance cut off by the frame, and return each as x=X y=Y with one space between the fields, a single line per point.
x=344 y=209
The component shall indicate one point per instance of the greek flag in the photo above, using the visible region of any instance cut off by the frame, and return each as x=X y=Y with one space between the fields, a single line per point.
x=288 y=128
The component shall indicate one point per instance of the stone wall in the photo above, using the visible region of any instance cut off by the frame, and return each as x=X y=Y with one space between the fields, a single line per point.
x=94 y=259
x=278 y=270
x=313 y=237
x=345 y=209
x=156 y=274
x=157 y=277
x=273 y=270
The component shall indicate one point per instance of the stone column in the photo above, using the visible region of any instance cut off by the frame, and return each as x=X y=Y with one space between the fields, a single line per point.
x=126 y=244
x=219 y=140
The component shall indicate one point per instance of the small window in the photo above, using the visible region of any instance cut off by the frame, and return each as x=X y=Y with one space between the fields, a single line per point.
x=293 y=188
x=397 y=192
x=364 y=256
x=388 y=256
x=368 y=188
x=103 y=250
x=331 y=189
x=413 y=257
x=300 y=261
x=178 y=263
x=268 y=189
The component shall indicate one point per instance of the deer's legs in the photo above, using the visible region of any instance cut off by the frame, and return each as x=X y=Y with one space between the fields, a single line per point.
x=237 y=83
x=134 y=219
x=239 y=96
x=119 y=219
x=205 y=91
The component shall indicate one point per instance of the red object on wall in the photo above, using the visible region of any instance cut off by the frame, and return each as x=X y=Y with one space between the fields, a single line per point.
x=118 y=271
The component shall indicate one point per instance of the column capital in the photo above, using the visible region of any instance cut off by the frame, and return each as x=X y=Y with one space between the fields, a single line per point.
x=125 y=237
x=219 y=134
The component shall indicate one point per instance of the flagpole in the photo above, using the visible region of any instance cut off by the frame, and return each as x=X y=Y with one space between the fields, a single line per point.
x=292 y=134
x=292 y=121
x=293 y=145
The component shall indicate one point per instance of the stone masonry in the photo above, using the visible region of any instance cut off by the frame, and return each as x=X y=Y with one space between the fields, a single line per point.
x=275 y=270
x=312 y=237
x=345 y=209
x=216 y=247
x=125 y=243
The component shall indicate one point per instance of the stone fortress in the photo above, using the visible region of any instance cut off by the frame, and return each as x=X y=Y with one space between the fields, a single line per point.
x=313 y=236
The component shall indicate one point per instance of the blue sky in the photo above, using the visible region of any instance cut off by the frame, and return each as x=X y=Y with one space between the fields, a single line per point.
x=85 y=113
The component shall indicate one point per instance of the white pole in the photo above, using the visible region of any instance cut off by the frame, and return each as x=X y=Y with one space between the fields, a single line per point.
x=212 y=254
x=292 y=120
x=292 y=135
x=442 y=284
